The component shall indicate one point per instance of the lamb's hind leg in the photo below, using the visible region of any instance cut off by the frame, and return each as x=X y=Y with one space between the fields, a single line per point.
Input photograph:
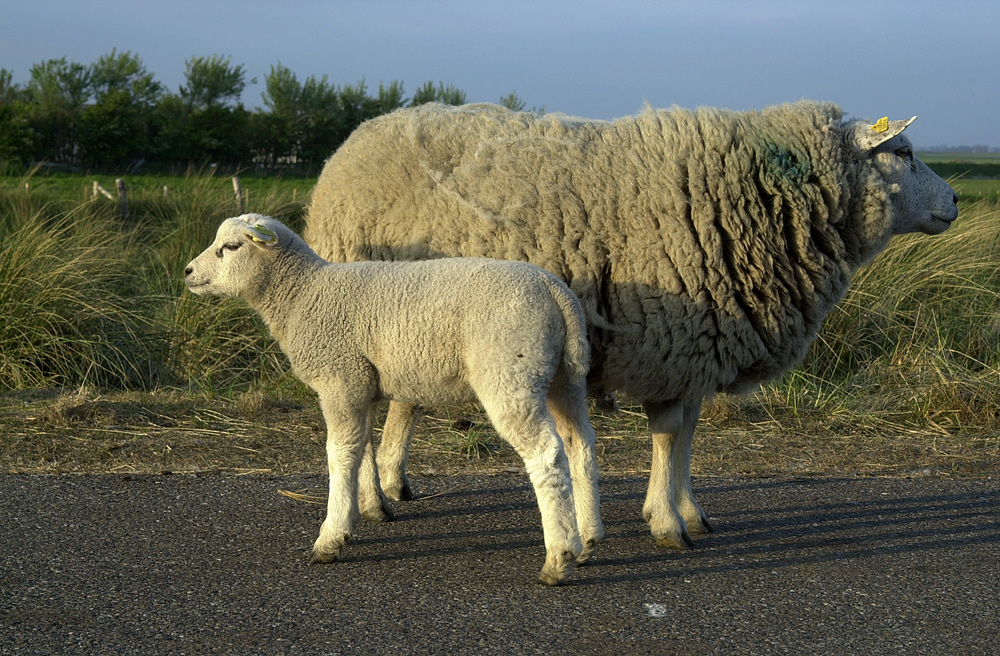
x=348 y=431
x=670 y=507
x=533 y=435
x=568 y=405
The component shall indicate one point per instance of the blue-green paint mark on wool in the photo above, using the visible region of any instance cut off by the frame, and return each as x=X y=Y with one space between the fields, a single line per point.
x=785 y=163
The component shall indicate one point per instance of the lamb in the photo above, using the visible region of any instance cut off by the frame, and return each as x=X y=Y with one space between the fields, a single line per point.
x=706 y=246
x=439 y=332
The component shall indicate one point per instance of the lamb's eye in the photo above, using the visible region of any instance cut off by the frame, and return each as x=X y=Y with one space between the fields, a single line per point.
x=229 y=247
x=905 y=153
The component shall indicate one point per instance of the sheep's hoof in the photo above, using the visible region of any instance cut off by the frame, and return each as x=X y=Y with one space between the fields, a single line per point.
x=702 y=526
x=551 y=580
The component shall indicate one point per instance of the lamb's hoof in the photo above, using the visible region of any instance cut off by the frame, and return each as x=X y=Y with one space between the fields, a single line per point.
x=400 y=493
x=681 y=541
x=697 y=522
x=588 y=550
x=380 y=514
x=327 y=551
x=559 y=572
x=322 y=558
x=552 y=579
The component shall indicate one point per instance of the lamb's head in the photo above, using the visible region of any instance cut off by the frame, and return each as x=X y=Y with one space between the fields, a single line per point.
x=237 y=262
x=919 y=199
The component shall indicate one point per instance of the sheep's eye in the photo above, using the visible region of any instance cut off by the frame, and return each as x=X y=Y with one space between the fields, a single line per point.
x=904 y=153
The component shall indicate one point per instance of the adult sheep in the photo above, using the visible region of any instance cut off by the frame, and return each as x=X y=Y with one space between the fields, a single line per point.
x=714 y=242
x=445 y=331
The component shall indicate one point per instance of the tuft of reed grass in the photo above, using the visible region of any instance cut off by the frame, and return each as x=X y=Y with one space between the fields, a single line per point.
x=916 y=341
x=68 y=310
x=90 y=298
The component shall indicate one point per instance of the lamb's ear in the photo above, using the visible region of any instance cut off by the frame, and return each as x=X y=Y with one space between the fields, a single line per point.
x=262 y=236
x=867 y=137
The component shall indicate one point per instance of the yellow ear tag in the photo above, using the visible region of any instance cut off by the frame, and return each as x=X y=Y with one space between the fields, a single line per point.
x=881 y=125
x=271 y=237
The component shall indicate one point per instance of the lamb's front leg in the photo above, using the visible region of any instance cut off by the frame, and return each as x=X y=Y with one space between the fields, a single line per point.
x=372 y=501
x=395 y=448
x=347 y=435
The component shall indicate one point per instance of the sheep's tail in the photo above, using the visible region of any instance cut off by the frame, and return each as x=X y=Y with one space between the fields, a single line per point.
x=576 y=350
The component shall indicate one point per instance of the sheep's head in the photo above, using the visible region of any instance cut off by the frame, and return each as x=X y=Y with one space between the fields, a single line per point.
x=233 y=265
x=920 y=200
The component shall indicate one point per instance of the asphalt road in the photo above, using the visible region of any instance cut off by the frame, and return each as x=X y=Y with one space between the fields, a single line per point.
x=216 y=564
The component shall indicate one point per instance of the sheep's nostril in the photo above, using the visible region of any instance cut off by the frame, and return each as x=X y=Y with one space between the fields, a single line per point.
x=954 y=197
x=187 y=271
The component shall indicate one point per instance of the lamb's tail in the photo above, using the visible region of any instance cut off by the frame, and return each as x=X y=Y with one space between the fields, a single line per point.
x=576 y=350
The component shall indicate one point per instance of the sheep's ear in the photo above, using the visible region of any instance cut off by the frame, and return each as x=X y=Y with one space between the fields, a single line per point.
x=262 y=235
x=867 y=136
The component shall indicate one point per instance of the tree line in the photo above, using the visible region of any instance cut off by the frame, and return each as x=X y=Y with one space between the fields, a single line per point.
x=114 y=115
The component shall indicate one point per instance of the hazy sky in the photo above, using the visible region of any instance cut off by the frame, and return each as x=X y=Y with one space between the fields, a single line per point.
x=934 y=59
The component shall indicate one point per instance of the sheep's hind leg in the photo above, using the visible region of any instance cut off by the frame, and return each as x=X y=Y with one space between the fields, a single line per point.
x=394 y=450
x=568 y=406
x=670 y=424
x=347 y=435
x=695 y=518
x=535 y=439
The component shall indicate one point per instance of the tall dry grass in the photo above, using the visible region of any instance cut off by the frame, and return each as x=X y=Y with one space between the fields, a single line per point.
x=86 y=298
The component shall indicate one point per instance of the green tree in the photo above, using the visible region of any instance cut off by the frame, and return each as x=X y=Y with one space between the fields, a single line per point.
x=309 y=120
x=9 y=92
x=303 y=116
x=116 y=129
x=124 y=74
x=449 y=95
x=512 y=101
x=56 y=94
x=212 y=82
x=205 y=122
x=16 y=136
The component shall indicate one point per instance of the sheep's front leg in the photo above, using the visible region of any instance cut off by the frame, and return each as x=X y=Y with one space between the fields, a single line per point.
x=347 y=435
x=670 y=507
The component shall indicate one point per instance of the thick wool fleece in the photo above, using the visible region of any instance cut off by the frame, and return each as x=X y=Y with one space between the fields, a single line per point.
x=706 y=246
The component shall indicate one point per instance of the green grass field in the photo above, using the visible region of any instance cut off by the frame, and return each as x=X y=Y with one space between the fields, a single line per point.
x=975 y=176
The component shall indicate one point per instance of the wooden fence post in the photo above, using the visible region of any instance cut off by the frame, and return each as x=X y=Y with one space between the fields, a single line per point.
x=238 y=190
x=98 y=189
x=120 y=184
